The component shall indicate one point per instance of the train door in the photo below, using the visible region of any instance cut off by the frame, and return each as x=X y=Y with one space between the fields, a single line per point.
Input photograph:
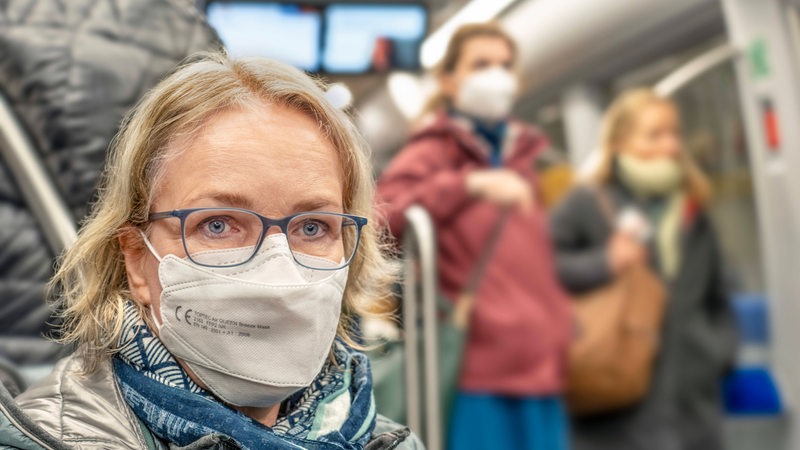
x=769 y=93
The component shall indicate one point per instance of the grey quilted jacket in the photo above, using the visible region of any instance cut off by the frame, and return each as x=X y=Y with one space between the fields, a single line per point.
x=68 y=410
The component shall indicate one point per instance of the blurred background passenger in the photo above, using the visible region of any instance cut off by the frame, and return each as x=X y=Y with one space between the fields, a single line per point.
x=69 y=72
x=467 y=164
x=644 y=168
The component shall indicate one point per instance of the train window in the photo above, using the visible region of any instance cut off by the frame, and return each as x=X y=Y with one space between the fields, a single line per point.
x=378 y=37
x=551 y=120
x=714 y=134
x=337 y=38
x=793 y=17
x=249 y=29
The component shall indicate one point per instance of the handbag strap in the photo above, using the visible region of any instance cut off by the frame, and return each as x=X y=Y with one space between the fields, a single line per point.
x=466 y=300
x=483 y=260
x=607 y=208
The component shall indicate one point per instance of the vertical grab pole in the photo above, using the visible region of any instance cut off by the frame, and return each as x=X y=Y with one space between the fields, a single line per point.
x=38 y=190
x=410 y=329
x=421 y=226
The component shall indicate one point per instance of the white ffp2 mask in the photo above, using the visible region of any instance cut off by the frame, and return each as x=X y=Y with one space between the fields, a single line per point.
x=487 y=94
x=256 y=333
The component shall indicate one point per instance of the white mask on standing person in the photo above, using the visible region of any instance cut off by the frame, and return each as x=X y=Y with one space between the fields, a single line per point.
x=487 y=94
x=256 y=333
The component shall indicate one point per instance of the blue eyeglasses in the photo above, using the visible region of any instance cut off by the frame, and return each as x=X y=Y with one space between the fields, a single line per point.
x=317 y=240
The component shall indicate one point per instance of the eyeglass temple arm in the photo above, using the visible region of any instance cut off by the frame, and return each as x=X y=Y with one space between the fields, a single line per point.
x=162 y=215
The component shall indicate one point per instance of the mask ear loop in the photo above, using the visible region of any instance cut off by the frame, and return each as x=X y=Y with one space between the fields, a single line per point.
x=151 y=311
x=150 y=246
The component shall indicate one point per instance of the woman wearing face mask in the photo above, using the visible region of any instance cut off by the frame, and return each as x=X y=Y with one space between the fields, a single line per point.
x=648 y=177
x=473 y=169
x=210 y=291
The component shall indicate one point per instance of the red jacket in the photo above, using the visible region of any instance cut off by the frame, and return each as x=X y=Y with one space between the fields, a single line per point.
x=521 y=323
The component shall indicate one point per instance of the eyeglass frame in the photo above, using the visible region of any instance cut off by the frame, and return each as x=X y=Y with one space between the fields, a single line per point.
x=266 y=223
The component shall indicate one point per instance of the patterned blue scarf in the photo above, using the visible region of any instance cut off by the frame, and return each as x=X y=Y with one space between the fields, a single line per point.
x=337 y=411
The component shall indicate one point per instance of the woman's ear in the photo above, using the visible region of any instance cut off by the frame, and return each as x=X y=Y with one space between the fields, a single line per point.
x=135 y=253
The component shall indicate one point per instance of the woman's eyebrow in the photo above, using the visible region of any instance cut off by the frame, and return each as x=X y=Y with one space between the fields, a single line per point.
x=234 y=200
x=314 y=204
x=225 y=199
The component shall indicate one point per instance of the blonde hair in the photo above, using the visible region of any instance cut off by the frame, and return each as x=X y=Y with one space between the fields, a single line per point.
x=455 y=48
x=618 y=122
x=91 y=282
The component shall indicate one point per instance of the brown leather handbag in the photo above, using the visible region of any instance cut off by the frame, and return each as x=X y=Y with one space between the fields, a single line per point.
x=618 y=331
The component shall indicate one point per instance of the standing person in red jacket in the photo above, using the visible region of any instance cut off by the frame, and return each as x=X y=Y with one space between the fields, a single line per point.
x=467 y=164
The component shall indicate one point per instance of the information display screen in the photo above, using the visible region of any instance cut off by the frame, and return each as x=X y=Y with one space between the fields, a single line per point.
x=337 y=38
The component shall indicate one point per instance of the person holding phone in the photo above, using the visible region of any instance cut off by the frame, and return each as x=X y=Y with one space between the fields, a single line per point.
x=661 y=197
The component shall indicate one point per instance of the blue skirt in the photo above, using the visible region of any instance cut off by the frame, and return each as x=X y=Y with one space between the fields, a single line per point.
x=492 y=422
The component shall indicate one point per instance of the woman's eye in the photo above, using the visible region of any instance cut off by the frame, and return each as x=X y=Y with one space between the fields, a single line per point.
x=311 y=229
x=480 y=64
x=216 y=226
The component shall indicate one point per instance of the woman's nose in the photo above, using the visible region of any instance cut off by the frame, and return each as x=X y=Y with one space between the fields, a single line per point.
x=274 y=229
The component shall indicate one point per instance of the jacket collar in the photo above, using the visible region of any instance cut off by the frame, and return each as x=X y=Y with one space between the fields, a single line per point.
x=521 y=140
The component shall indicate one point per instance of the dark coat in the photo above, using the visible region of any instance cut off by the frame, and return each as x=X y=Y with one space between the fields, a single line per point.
x=70 y=70
x=683 y=409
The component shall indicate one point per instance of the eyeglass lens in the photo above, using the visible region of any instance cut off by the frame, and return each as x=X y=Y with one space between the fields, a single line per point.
x=325 y=236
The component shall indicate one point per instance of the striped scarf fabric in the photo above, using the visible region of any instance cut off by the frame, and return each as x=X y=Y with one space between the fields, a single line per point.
x=336 y=411
x=141 y=349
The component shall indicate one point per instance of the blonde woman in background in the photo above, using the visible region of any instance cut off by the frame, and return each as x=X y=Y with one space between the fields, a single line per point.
x=210 y=291
x=647 y=174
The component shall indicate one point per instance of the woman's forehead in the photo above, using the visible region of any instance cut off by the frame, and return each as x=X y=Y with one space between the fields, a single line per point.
x=656 y=112
x=270 y=156
x=492 y=46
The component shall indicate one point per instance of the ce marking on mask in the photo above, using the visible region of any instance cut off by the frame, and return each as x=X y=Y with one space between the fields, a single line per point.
x=216 y=325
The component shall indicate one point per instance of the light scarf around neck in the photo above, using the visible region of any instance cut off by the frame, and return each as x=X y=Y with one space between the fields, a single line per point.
x=668 y=235
x=337 y=411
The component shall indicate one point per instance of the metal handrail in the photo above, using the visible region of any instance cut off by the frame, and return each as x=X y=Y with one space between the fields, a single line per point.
x=420 y=236
x=694 y=68
x=35 y=184
x=410 y=331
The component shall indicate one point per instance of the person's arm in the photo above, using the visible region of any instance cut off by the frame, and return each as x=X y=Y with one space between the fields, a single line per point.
x=421 y=174
x=581 y=263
